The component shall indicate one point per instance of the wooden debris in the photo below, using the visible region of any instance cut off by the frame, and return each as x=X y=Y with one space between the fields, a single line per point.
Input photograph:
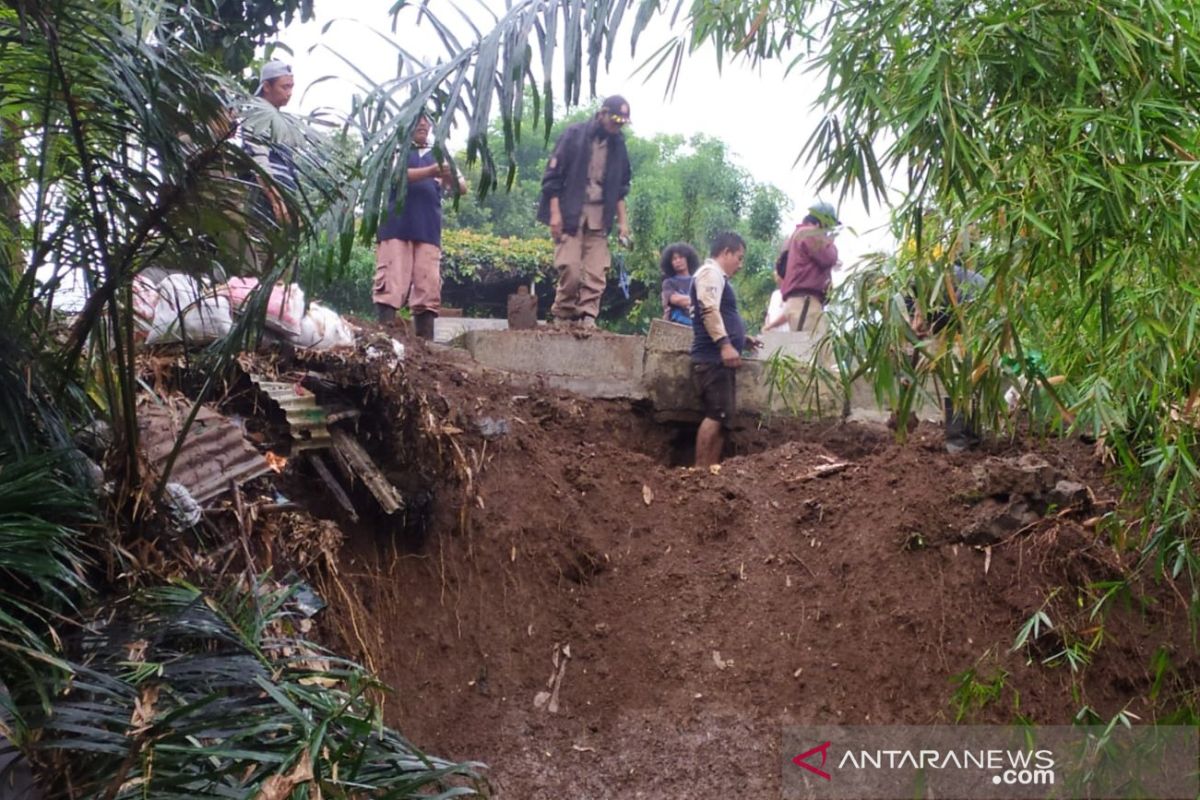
x=821 y=471
x=357 y=464
x=338 y=492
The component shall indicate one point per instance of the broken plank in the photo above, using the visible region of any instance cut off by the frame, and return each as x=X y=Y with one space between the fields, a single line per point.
x=338 y=492
x=354 y=460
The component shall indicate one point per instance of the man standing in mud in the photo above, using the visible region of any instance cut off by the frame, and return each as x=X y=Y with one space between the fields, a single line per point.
x=583 y=189
x=718 y=339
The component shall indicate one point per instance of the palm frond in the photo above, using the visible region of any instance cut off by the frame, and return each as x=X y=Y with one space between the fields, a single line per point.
x=186 y=693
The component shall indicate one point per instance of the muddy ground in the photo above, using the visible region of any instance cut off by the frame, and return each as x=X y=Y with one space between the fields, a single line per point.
x=825 y=574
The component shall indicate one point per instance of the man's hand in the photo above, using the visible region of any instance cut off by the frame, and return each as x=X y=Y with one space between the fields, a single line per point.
x=753 y=343
x=730 y=356
x=623 y=236
x=556 y=225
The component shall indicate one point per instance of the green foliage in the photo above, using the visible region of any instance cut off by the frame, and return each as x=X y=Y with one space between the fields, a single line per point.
x=1067 y=135
x=41 y=579
x=347 y=289
x=1035 y=626
x=469 y=256
x=117 y=135
x=198 y=694
x=974 y=691
x=226 y=30
x=41 y=557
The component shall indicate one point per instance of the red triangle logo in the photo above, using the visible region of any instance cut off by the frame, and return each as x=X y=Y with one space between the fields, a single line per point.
x=802 y=760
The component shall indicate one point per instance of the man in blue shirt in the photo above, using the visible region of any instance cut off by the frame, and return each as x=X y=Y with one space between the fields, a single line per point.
x=718 y=339
x=409 y=254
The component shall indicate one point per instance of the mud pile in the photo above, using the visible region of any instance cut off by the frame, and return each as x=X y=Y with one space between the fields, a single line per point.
x=560 y=600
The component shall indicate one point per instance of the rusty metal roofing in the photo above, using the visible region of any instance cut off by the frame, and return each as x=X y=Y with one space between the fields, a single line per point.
x=306 y=419
x=213 y=454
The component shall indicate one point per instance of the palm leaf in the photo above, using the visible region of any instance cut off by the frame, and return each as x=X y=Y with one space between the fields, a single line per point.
x=224 y=710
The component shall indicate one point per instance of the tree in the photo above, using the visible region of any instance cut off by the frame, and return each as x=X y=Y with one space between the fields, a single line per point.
x=126 y=158
x=229 y=30
x=1067 y=136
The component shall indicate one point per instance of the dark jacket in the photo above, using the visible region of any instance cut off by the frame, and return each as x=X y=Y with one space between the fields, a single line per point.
x=566 y=175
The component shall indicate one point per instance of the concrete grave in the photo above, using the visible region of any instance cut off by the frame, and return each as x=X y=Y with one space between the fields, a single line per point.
x=590 y=363
x=656 y=367
x=447 y=329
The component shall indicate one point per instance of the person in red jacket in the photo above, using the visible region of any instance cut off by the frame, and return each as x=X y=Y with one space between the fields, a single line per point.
x=812 y=257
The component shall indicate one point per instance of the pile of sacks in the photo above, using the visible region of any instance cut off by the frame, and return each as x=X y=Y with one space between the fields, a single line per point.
x=180 y=308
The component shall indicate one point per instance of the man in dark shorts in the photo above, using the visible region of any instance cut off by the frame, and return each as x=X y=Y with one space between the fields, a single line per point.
x=718 y=339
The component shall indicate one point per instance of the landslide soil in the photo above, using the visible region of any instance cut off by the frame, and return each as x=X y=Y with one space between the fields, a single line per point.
x=704 y=612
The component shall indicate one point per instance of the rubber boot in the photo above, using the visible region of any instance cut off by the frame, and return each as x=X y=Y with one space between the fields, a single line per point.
x=959 y=435
x=385 y=314
x=423 y=322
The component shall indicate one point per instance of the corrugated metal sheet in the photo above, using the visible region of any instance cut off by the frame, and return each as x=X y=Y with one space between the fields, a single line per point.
x=306 y=419
x=214 y=453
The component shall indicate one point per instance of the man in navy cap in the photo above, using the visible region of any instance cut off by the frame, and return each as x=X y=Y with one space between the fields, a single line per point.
x=583 y=191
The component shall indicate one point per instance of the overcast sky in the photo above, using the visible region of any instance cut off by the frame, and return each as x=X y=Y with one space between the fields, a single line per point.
x=764 y=116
